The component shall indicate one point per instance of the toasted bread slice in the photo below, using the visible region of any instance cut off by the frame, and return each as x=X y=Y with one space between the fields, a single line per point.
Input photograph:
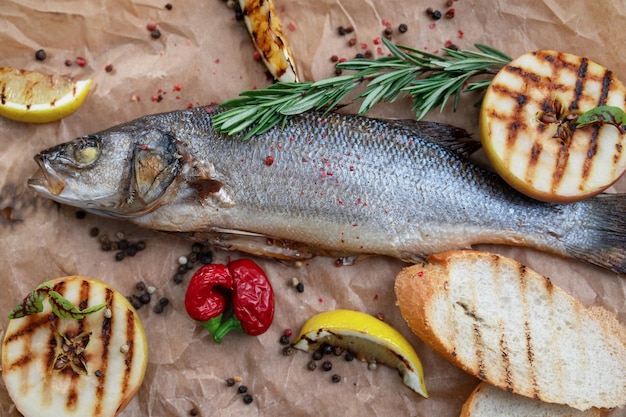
x=512 y=327
x=489 y=401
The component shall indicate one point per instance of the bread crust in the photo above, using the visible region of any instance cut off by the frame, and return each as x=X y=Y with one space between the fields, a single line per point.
x=452 y=303
x=475 y=405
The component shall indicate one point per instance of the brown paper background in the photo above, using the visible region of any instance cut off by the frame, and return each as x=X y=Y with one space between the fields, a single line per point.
x=209 y=54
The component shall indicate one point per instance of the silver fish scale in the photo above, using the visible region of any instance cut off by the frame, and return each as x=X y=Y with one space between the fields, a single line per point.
x=346 y=178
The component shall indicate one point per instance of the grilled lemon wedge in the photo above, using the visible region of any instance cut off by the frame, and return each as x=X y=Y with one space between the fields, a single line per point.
x=33 y=97
x=369 y=338
x=62 y=366
x=528 y=126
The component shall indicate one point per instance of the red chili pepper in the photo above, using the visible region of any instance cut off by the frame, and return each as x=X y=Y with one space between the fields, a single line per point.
x=252 y=298
x=204 y=301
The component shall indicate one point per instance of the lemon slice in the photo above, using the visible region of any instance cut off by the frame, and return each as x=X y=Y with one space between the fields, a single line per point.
x=369 y=338
x=34 y=97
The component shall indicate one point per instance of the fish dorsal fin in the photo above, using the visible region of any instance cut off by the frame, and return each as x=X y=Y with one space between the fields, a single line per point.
x=447 y=136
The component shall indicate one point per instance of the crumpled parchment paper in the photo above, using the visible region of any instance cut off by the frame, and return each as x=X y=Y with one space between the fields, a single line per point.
x=208 y=54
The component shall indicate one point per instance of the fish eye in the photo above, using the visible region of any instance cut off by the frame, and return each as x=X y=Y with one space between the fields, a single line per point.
x=87 y=150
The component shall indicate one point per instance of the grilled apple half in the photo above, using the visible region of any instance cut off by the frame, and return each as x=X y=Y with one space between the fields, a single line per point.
x=86 y=362
x=529 y=132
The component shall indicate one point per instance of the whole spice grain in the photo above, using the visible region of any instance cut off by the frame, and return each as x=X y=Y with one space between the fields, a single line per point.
x=318 y=354
x=450 y=13
x=327 y=366
x=68 y=63
x=242 y=389
x=109 y=68
x=434 y=14
x=349 y=356
x=81 y=214
x=81 y=61
x=230 y=382
x=336 y=378
x=403 y=28
x=247 y=399
x=287 y=351
x=94 y=232
x=300 y=287
x=155 y=34
x=169 y=6
x=40 y=55
x=284 y=340
x=311 y=366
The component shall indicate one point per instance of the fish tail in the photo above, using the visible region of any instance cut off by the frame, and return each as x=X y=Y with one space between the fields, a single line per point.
x=601 y=239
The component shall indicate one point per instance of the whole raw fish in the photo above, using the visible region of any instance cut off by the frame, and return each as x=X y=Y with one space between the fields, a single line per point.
x=337 y=185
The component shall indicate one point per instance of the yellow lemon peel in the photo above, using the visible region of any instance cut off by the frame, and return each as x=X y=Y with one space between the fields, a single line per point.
x=369 y=338
x=34 y=97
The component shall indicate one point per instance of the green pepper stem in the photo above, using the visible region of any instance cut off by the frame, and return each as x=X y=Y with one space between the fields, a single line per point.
x=232 y=323
x=212 y=324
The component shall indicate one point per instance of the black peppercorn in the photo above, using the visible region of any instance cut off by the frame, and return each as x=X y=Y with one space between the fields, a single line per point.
x=145 y=298
x=300 y=287
x=242 y=389
x=288 y=351
x=178 y=278
x=230 y=382
x=131 y=250
x=311 y=366
x=80 y=214
x=327 y=349
x=156 y=34
x=94 y=231
x=136 y=303
x=119 y=256
x=436 y=15
x=402 y=28
x=141 y=245
x=318 y=354
x=247 y=399
x=169 y=6
x=206 y=258
x=140 y=286
x=40 y=55
x=158 y=309
x=349 y=356
x=327 y=366
x=284 y=340
x=336 y=378
x=341 y=30
x=164 y=301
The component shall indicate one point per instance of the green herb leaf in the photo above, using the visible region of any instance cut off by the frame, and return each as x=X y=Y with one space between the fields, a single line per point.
x=429 y=79
x=603 y=115
x=64 y=308
x=32 y=303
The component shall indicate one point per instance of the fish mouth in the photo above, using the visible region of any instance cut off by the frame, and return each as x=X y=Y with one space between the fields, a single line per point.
x=46 y=180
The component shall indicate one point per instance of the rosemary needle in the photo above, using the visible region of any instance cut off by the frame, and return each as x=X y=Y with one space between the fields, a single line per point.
x=429 y=80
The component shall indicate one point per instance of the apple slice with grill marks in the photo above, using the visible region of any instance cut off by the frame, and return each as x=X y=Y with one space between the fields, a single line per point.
x=528 y=126
x=83 y=354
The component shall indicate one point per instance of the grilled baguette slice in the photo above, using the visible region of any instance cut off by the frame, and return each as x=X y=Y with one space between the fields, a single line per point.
x=510 y=326
x=489 y=401
x=109 y=355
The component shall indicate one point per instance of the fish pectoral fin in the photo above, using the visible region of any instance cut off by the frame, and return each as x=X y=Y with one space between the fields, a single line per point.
x=210 y=189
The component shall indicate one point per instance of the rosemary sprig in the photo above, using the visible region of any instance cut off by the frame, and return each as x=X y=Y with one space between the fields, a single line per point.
x=429 y=80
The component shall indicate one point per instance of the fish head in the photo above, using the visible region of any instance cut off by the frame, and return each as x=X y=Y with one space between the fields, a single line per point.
x=119 y=172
